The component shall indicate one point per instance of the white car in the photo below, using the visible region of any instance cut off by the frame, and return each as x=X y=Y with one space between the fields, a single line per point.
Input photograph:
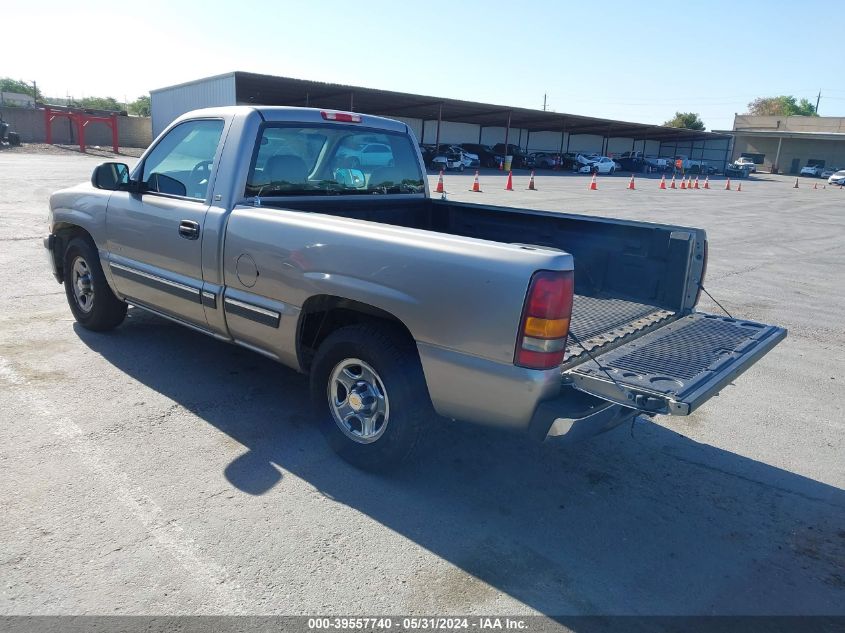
x=368 y=155
x=829 y=171
x=447 y=161
x=812 y=170
x=600 y=165
x=837 y=178
x=747 y=163
x=468 y=158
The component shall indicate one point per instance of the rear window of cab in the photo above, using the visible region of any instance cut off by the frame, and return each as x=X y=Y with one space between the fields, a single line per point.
x=332 y=159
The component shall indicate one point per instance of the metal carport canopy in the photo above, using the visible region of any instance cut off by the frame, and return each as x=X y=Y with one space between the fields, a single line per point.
x=271 y=90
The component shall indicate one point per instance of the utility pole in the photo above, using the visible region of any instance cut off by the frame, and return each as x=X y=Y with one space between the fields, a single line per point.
x=544 y=102
x=819 y=98
x=34 y=91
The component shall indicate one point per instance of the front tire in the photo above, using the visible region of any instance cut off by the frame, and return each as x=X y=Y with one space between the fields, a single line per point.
x=91 y=300
x=368 y=386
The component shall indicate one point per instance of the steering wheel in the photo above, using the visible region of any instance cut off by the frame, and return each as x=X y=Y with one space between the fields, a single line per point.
x=201 y=172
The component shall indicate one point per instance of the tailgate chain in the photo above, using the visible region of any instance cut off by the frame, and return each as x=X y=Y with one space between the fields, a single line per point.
x=607 y=373
x=602 y=367
x=704 y=290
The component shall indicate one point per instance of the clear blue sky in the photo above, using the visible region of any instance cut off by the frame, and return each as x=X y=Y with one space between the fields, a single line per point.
x=636 y=61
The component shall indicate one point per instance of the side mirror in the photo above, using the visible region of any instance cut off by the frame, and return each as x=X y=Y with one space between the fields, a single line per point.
x=110 y=176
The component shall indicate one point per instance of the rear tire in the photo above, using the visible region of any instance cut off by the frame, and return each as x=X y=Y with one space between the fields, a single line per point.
x=92 y=302
x=368 y=387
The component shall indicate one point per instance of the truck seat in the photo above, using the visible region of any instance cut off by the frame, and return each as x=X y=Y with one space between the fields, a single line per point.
x=285 y=168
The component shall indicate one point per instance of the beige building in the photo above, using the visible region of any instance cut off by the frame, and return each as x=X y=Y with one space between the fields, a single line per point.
x=787 y=143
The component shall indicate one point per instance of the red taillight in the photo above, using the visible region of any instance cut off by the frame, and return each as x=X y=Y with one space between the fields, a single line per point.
x=703 y=273
x=545 y=320
x=345 y=117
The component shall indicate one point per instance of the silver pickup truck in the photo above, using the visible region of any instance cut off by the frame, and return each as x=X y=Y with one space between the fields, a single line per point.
x=310 y=236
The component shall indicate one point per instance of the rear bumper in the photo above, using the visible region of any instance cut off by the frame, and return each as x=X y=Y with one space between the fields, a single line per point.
x=478 y=390
x=50 y=245
x=574 y=416
x=494 y=394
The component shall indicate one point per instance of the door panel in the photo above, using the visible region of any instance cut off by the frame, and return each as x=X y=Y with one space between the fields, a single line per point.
x=155 y=236
x=151 y=258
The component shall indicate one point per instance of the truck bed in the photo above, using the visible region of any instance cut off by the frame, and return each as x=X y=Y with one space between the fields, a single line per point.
x=601 y=323
x=630 y=277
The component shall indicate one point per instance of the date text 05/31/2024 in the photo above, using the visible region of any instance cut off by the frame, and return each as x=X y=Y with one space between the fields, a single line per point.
x=417 y=623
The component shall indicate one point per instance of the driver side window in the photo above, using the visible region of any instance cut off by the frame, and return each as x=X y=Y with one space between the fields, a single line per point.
x=182 y=162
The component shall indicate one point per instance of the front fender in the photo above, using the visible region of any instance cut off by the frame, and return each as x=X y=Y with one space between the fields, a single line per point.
x=82 y=206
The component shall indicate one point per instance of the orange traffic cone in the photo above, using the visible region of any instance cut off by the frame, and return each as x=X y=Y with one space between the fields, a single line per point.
x=689 y=182
x=509 y=186
x=815 y=185
x=672 y=185
x=795 y=186
x=663 y=181
x=683 y=183
x=593 y=184
x=728 y=185
x=695 y=186
x=707 y=182
x=631 y=183
x=531 y=186
x=739 y=186
x=476 y=187
x=439 y=188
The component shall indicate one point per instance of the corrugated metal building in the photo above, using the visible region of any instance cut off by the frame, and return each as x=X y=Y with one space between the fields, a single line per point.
x=168 y=103
x=787 y=143
x=442 y=120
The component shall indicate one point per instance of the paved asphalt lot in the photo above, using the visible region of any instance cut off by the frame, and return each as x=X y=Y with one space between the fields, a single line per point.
x=153 y=470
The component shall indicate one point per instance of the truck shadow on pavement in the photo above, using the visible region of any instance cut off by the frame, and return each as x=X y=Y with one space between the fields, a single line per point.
x=650 y=524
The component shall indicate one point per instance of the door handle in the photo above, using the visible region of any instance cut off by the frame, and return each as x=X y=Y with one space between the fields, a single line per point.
x=189 y=229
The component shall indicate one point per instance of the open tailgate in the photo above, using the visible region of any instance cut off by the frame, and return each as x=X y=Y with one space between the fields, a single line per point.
x=675 y=369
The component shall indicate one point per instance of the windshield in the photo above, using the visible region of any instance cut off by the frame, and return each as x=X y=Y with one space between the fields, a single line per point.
x=292 y=160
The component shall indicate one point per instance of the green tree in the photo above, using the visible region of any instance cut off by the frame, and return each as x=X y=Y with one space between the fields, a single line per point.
x=141 y=106
x=97 y=103
x=7 y=84
x=783 y=105
x=688 y=120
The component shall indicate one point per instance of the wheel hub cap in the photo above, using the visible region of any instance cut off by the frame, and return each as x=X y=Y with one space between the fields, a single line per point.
x=358 y=401
x=83 y=287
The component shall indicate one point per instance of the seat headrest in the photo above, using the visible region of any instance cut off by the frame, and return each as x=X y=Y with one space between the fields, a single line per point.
x=285 y=168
